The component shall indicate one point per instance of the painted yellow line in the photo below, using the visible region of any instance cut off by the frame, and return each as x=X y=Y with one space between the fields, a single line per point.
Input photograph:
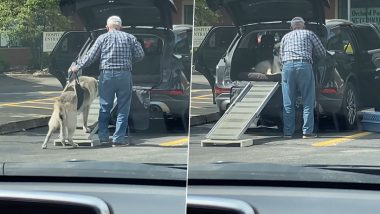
x=201 y=102
x=22 y=106
x=202 y=96
x=336 y=141
x=182 y=141
x=50 y=92
x=200 y=90
x=38 y=102
x=26 y=101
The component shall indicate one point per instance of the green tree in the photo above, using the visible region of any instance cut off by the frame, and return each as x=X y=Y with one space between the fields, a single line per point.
x=203 y=15
x=25 y=20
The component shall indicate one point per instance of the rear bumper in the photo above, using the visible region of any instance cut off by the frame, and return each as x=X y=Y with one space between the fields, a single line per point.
x=330 y=105
x=170 y=107
x=223 y=101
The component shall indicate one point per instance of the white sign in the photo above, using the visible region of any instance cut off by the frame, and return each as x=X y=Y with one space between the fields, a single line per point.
x=199 y=34
x=370 y=15
x=50 y=39
x=4 y=39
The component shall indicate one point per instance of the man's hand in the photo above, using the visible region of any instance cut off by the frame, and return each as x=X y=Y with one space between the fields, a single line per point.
x=73 y=68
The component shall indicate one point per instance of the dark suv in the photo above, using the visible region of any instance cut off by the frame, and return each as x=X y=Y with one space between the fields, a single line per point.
x=228 y=53
x=162 y=90
x=355 y=49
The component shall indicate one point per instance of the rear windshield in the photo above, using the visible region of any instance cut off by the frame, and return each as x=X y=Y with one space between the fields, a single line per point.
x=368 y=37
x=275 y=10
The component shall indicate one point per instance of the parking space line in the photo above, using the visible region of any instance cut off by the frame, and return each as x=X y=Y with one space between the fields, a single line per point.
x=197 y=107
x=344 y=139
x=206 y=96
x=201 y=102
x=179 y=142
x=200 y=90
x=38 y=102
x=23 y=106
x=27 y=101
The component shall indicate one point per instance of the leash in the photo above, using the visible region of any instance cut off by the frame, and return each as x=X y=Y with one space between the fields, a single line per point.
x=78 y=89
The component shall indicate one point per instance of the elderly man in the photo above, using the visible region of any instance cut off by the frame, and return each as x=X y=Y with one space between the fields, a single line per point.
x=117 y=51
x=296 y=54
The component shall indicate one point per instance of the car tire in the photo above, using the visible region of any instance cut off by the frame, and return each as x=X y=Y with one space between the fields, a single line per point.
x=348 y=115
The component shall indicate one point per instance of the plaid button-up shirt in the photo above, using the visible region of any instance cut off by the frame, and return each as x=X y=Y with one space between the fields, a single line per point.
x=301 y=44
x=117 y=50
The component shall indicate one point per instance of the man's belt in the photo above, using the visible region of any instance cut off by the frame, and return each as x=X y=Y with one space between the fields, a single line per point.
x=298 y=60
x=114 y=69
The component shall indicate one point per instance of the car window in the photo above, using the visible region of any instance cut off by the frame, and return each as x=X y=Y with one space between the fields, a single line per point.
x=220 y=40
x=71 y=45
x=182 y=45
x=368 y=37
x=340 y=40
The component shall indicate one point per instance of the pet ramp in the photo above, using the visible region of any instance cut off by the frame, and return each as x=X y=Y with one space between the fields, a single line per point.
x=242 y=112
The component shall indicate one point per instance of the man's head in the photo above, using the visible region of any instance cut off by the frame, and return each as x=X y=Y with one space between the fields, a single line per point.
x=114 y=23
x=297 y=23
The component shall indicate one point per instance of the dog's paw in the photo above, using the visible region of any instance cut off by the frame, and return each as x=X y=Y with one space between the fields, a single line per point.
x=86 y=129
x=44 y=147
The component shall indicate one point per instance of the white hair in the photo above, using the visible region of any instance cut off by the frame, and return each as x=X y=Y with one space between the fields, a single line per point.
x=297 y=23
x=114 y=21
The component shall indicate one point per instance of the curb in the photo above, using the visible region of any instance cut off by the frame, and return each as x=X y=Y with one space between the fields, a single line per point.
x=23 y=125
x=204 y=119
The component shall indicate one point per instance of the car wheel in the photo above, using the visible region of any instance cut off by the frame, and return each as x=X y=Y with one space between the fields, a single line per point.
x=349 y=110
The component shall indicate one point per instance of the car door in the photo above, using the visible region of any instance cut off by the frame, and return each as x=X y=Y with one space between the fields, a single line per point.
x=212 y=49
x=65 y=52
x=342 y=45
x=368 y=70
x=182 y=48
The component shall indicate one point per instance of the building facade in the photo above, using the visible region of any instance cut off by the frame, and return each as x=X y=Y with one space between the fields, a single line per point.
x=357 y=11
x=185 y=11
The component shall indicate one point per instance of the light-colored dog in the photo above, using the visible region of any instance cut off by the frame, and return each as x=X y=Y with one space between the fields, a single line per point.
x=269 y=67
x=65 y=110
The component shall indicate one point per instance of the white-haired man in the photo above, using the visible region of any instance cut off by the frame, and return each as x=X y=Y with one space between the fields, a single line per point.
x=296 y=54
x=117 y=51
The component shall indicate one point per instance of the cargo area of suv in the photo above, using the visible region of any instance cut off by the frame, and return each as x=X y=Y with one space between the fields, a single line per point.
x=161 y=90
x=261 y=42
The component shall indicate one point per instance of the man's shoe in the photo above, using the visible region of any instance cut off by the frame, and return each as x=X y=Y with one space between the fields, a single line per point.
x=105 y=144
x=309 y=136
x=119 y=144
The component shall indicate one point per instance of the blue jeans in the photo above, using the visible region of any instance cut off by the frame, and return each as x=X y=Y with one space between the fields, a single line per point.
x=298 y=77
x=111 y=83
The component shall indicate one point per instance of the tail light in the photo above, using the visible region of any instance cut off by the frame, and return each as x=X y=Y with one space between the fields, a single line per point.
x=174 y=92
x=219 y=90
x=329 y=91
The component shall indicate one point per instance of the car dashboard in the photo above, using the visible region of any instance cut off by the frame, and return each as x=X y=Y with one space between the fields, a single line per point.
x=210 y=199
x=90 y=198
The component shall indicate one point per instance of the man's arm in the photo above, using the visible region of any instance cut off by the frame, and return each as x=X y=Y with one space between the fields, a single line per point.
x=318 y=49
x=91 y=55
x=137 y=51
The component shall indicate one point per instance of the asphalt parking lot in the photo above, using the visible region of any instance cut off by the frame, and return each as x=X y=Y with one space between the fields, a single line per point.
x=331 y=147
x=25 y=98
